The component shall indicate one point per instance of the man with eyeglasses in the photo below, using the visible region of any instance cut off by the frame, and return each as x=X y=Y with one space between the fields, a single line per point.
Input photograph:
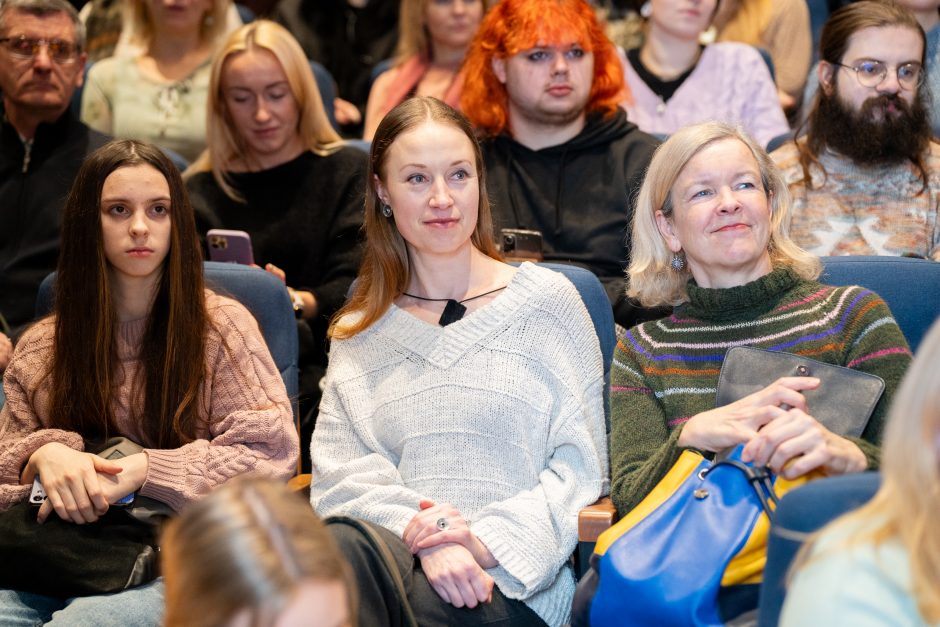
x=42 y=144
x=866 y=176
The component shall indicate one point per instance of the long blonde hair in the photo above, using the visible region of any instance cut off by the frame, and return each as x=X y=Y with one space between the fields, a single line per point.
x=247 y=546
x=384 y=273
x=905 y=507
x=748 y=21
x=224 y=142
x=651 y=279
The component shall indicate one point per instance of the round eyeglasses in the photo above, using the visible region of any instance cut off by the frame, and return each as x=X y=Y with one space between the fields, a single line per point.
x=22 y=47
x=872 y=73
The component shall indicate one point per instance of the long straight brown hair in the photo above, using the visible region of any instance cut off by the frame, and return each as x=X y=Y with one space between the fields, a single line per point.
x=172 y=353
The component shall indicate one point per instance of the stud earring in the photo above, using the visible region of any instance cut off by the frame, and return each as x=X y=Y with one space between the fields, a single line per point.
x=386 y=210
x=646 y=10
x=678 y=262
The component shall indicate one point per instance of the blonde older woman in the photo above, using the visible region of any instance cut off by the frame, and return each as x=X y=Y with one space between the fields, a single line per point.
x=159 y=95
x=880 y=565
x=274 y=167
x=709 y=238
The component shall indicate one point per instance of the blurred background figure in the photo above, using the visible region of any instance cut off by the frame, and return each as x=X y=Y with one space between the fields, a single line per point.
x=159 y=94
x=433 y=36
x=253 y=554
x=675 y=81
x=781 y=27
x=880 y=565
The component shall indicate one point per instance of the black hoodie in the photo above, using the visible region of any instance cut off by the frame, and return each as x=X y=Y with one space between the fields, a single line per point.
x=579 y=194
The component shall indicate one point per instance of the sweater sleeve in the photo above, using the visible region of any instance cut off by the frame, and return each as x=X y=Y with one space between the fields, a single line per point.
x=760 y=110
x=876 y=345
x=532 y=533
x=351 y=474
x=97 y=110
x=250 y=425
x=21 y=425
x=642 y=448
x=340 y=262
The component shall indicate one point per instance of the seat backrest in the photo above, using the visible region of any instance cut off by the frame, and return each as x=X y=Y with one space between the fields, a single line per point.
x=602 y=315
x=911 y=287
x=327 y=87
x=260 y=292
x=801 y=512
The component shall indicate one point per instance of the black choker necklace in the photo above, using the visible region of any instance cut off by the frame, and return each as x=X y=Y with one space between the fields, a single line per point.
x=454 y=309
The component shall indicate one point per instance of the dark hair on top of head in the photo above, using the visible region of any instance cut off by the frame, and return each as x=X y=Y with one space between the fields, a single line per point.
x=384 y=273
x=85 y=363
x=43 y=8
x=833 y=44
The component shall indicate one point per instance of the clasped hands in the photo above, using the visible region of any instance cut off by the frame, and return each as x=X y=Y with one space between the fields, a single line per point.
x=81 y=486
x=453 y=559
x=778 y=432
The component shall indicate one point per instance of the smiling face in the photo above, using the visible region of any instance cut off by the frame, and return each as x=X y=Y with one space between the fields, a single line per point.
x=135 y=223
x=452 y=23
x=430 y=180
x=548 y=84
x=683 y=19
x=720 y=216
x=261 y=107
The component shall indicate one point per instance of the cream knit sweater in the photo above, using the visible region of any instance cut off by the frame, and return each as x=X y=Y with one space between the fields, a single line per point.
x=500 y=414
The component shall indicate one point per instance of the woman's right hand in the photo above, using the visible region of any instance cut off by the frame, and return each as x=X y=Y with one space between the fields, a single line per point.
x=737 y=422
x=455 y=575
x=70 y=481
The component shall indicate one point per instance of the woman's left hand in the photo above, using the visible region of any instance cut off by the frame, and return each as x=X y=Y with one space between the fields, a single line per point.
x=796 y=443
x=423 y=532
x=115 y=486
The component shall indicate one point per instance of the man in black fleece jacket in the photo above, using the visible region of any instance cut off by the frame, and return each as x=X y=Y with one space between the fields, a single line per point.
x=543 y=86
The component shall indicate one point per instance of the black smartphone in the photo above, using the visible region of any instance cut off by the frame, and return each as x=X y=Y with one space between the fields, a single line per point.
x=521 y=244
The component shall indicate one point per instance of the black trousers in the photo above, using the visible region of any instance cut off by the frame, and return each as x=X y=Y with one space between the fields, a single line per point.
x=380 y=601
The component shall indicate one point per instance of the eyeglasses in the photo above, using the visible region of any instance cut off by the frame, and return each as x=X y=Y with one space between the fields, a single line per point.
x=872 y=73
x=22 y=47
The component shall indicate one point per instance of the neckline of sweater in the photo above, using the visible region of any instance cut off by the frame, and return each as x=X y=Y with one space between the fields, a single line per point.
x=742 y=301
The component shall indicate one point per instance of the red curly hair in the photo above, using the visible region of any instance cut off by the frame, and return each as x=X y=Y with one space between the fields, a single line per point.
x=513 y=26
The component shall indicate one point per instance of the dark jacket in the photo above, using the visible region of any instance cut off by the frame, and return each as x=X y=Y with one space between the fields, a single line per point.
x=33 y=189
x=579 y=194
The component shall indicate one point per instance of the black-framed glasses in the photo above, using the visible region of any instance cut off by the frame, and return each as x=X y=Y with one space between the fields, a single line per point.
x=23 y=47
x=872 y=73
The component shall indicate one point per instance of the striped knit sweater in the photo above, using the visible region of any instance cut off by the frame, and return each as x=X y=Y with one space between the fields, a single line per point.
x=666 y=371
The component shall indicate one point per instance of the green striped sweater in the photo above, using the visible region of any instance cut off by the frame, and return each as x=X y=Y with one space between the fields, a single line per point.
x=666 y=371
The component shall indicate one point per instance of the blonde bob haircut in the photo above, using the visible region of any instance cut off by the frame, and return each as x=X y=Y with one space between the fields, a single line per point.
x=246 y=548
x=651 y=278
x=224 y=144
x=385 y=272
x=905 y=507
x=137 y=19
x=413 y=36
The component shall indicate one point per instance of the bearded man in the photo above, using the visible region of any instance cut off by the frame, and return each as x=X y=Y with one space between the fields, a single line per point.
x=865 y=177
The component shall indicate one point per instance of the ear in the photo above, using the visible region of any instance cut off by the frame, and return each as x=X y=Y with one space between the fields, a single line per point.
x=824 y=72
x=667 y=230
x=380 y=189
x=499 y=69
x=80 y=76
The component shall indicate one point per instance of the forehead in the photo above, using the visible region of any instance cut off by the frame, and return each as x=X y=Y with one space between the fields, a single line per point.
x=56 y=25
x=564 y=29
x=253 y=64
x=725 y=156
x=893 y=44
x=428 y=143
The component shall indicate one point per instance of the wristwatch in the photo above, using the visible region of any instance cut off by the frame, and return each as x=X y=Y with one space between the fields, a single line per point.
x=297 y=302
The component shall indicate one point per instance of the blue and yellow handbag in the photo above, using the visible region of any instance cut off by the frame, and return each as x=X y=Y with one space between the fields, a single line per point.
x=702 y=528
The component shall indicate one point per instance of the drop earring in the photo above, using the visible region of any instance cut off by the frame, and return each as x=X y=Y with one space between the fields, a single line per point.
x=386 y=210
x=678 y=262
x=646 y=10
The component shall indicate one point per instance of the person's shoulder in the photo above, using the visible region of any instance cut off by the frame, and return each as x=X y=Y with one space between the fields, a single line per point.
x=787 y=156
x=109 y=68
x=732 y=52
x=38 y=337
x=349 y=158
x=228 y=314
x=933 y=157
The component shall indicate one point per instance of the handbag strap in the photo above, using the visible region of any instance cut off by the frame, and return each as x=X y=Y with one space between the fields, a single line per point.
x=760 y=478
x=388 y=560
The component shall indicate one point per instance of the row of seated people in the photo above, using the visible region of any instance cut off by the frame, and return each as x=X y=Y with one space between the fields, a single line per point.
x=423 y=431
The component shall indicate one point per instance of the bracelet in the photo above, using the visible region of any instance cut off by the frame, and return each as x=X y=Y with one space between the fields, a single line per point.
x=297 y=302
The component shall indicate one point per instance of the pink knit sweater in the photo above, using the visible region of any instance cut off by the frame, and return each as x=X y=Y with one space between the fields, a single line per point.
x=249 y=427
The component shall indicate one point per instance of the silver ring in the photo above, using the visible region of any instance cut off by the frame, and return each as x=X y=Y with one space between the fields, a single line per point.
x=443 y=524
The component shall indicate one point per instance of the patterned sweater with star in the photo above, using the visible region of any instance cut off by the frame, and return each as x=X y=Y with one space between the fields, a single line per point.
x=666 y=371
x=500 y=414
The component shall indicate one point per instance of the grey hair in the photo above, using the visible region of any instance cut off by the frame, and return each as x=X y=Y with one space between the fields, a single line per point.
x=41 y=8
